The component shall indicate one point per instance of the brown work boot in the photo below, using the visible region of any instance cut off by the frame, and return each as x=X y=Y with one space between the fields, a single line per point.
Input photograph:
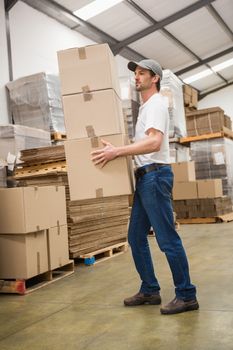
x=177 y=306
x=141 y=298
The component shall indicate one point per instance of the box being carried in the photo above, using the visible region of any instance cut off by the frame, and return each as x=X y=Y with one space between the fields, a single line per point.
x=87 y=180
x=93 y=114
x=90 y=68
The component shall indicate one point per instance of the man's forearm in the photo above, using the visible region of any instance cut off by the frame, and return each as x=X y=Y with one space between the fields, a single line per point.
x=145 y=146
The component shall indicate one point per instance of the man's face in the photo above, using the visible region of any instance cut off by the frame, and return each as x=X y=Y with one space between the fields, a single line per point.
x=143 y=79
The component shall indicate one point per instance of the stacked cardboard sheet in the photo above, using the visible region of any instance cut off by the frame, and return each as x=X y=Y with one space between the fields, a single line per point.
x=35 y=101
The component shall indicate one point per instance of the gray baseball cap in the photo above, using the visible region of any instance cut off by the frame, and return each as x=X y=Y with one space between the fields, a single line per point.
x=147 y=64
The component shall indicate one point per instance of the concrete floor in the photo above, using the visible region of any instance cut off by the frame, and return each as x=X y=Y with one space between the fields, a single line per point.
x=85 y=312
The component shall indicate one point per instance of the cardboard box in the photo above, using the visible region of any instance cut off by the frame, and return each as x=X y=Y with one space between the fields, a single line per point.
x=205 y=121
x=88 y=68
x=87 y=180
x=58 y=250
x=29 y=209
x=185 y=190
x=211 y=188
x=184 y=171
x=94 y=114
x=23 y=256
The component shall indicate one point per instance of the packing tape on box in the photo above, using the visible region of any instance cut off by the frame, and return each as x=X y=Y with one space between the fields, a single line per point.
x=38 y=262
x=87 y=95
x=82 y=53
x=99 y=192
x=90 y=131
x=94 y=142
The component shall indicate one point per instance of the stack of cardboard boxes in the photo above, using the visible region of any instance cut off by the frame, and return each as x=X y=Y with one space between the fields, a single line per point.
x=33 y=231
x=197 y=198
x=93 y=110
x=207 y=121
x=190 y=96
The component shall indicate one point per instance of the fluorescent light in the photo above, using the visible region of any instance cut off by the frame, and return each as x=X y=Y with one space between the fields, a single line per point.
x=223 y=65
x=207 y=72
x=197 y=76
x=95 y=7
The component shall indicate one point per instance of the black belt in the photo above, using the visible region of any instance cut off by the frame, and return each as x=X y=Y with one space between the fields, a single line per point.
x=147 y=169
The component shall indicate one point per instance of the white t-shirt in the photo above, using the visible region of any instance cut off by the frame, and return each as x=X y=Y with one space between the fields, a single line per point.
x=153 y=114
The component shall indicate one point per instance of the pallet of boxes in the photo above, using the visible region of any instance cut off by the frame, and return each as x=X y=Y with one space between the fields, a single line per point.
x=99 y=205
x=203 y=187
x=33 y=238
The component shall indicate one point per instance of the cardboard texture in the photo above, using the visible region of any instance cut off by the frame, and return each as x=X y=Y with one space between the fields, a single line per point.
x=29 y=209
x=23 y=256
x=88 y=68
x=184 y=171
x=185 y=190
x=87 y=180
x=205 y=121
x=58 y=250
x=211 y=188
x=101 y=114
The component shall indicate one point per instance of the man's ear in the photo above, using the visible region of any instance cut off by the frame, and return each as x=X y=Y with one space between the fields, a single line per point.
x=156 y=78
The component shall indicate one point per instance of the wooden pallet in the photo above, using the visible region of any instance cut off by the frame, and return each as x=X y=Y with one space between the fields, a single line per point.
x=224 y=133
x=58 y=136
x=104 y=253
x=40 y=169
x=26 y=286
x=221 y=218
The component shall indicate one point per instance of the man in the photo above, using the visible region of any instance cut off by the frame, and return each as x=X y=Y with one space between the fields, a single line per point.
x=152 y=200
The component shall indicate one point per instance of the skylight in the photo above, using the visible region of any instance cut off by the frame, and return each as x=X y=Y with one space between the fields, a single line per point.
x=207 y=72
x=95 y=8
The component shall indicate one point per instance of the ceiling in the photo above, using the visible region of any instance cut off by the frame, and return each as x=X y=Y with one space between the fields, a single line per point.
x=185 y=36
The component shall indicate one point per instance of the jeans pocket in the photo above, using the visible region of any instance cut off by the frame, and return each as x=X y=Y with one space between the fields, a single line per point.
x=166 y=184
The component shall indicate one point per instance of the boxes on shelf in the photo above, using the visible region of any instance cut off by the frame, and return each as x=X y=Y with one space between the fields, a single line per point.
x=185 y=190
x=93 y=114
x=179 y=153
x=29 y=209
x=205 y=207
x=211 y=188
x=213 y=160
x=14 y=138
x=184 y=171
x=87 y=69
x=206 y=121
x=23 y=256
x=114 y=179
x=35 y=101
x=190 y=96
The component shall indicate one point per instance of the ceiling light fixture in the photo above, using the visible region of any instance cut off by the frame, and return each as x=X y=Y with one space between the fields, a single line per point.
x=95 y=8
x=206 y=72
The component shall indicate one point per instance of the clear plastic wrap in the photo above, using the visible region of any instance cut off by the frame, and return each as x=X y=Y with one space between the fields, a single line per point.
x=213 y=160
x=14 y=138
x=35 y=101
x=131 y=103
x=179 y=153
x=171 y=87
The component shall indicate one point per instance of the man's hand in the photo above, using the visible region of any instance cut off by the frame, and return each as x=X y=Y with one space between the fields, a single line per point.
x=104 y=155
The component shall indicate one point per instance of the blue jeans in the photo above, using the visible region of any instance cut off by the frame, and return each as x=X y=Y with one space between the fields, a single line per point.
x=152 y=207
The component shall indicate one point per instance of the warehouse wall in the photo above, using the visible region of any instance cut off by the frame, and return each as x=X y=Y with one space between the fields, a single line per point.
x=222 y=98
x=4 y=69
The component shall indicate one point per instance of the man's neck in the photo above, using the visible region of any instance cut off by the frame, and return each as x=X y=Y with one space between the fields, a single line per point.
x=145 y=95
